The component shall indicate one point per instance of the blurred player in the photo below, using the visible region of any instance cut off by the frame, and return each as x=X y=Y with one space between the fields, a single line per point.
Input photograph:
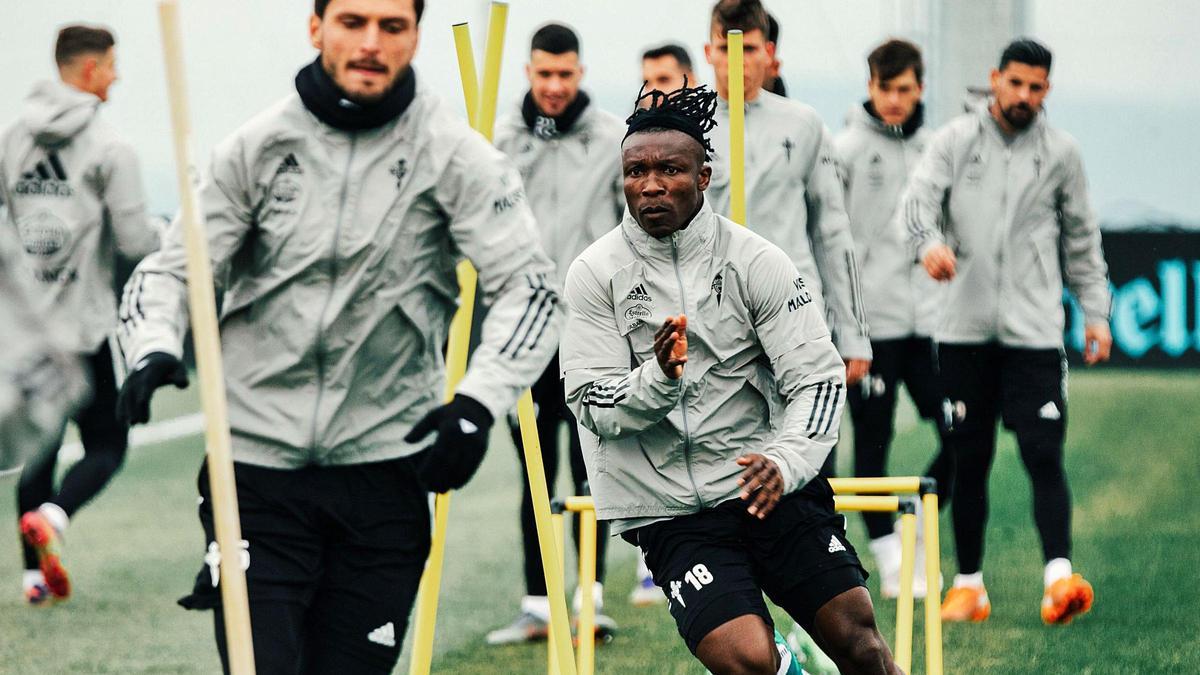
x=335 y=220
x=998 y=209
x=665 y=68
x=567 y=150
x=707 y=387
x=881 y=144
x=793 y=195
x=75 y=198
x=774 y=81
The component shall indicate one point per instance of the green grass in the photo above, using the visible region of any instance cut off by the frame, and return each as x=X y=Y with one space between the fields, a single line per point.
x=1131 y=458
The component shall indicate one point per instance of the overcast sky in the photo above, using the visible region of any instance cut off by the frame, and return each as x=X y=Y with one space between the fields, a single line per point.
x=1124 y=72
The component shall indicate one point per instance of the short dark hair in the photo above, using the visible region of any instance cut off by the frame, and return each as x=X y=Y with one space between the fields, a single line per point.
x=75 y=40
x=1027 y=51
x=772 y=29
x=670 y=49
x=892 y=58
x=319 y=7
x=743 y=15
x=555 y=38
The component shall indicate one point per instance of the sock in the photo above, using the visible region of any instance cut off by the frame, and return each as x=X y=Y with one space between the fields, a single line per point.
x=597 y=597
x=969 y=580
x=31 y=578
x=1059 y=568
x=57 y=517
x=537 y=605
x=886 y=550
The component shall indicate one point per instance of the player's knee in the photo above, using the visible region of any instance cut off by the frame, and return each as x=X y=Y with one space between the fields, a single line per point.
x=860 y=647
x=750 y=660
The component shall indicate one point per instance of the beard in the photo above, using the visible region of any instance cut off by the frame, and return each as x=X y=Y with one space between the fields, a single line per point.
x=1019 y=115
x=359 y=98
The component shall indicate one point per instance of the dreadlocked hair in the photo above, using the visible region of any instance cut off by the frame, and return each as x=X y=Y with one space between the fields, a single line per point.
x=691 y=110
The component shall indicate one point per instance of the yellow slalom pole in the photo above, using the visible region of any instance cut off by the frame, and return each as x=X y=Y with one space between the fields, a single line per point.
x=872 y=503
x=206 y=341
x=737 y=129
x=560 y=536
x=497 y=21
x=876 y=485
x=904 y=603
x=459 y=341
x=587 y=580
x=933 y=575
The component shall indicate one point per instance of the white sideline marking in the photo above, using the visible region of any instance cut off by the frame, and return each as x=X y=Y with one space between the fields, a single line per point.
x=159 y=432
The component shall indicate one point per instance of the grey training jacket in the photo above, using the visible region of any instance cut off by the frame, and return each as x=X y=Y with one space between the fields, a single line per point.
x=762 y=373
x=74 y=191
x=1016 y=213
x=794 y=199
x=337 y=254
x=573 y=181
x=874 y=161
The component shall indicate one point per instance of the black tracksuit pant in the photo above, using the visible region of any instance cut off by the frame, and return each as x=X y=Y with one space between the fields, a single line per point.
x=1026 y=388
x=104 y=442
x=910 y=361
x=551 y=405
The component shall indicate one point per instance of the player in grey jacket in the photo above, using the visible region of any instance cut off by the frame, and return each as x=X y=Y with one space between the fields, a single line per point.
x=883 y=139
x=335 y=220
x=708 y=393
x=568 y=152
x=73 y=193
x=793 y=195
x=1009 y=193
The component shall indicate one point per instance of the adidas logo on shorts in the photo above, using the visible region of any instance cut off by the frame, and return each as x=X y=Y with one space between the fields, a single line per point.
x=835 y=545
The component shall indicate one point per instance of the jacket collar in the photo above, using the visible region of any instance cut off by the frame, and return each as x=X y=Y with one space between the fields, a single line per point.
x=684 y=243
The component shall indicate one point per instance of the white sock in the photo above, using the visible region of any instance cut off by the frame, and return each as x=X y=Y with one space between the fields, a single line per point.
x=887 y=552
x=969 y=580
x=537 y=605
x=597 y=597
x=57 y=517
x=31 y=578
x=1059 y=568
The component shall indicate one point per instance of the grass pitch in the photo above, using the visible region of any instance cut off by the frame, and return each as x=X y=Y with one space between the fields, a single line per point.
x=1131 y=456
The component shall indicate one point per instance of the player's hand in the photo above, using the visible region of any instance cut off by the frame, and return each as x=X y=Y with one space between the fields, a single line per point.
x=462 y=427
x=761 y=483
x=856 y=370
x=1097 y=343
x=153 y=371
x=940 y=262
x=670 y=346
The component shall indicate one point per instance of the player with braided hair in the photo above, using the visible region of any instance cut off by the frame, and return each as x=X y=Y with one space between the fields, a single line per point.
x=708 y=394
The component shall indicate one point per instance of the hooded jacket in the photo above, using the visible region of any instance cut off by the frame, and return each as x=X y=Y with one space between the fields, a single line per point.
x=573 y=181
x=73 y=192
x=762 y=373
x=1016 y=212
x=874 y=161
x=794 y=199
x=336 y=251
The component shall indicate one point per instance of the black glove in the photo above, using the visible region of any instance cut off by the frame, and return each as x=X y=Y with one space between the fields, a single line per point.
x=462 y=427
x=152 y=372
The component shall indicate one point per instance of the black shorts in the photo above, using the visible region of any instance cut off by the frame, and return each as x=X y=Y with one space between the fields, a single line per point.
x=335 y=558
x=714 y=565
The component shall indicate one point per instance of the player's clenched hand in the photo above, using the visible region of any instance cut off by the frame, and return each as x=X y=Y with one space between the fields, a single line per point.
x=940 y=262
x=670 y=346
x=761 y=483
x=153 y=371
x=1097 y=341
x=462 y=427
x=856 y=370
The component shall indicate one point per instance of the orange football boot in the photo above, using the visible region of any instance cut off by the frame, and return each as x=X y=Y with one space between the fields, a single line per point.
x=1066 y=599
x=41 y=535
x=966 y=603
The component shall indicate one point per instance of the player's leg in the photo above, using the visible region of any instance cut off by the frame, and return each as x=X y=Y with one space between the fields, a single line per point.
x=970 y=374
x=919 y=372
x=282 y=560
x=1035 y=409
x=374 y=553
x=872 y=410
x=806 y=564
x=702 y=566
x=533 y=619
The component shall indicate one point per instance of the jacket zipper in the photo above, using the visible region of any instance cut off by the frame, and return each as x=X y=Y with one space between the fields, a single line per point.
x=333 y=272
x=687 y=436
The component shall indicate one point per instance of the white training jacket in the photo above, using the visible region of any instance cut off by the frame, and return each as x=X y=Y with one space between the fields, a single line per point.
x=74 y=192
x=573 y=181
x=336 y=252
x=762 y=373
x=874 y=161
x=794 y=199
x=1016 y=212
